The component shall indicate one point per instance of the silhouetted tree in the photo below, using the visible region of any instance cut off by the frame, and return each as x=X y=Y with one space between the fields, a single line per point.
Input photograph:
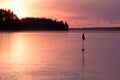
x=10 y=21
x=43 y=24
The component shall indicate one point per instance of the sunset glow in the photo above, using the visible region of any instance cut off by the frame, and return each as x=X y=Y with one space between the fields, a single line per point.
x=78 y=13
x=16 y=7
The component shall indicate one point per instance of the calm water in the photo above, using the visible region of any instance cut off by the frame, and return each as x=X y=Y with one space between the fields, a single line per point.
x=58 y=56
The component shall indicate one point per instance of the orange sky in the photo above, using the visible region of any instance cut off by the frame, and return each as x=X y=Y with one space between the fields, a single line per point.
x=78 y=13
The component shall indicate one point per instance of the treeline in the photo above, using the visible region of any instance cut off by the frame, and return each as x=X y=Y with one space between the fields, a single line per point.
x=9 y=21
x=42 y=24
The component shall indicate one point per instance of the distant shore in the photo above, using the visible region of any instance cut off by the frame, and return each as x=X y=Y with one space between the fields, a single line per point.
x=98 y=28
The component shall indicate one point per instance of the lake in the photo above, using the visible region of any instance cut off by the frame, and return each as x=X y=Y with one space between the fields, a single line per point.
x=48 y=55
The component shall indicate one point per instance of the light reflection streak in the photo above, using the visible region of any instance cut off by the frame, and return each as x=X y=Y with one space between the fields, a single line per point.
x=17 y=47
x=27 y=51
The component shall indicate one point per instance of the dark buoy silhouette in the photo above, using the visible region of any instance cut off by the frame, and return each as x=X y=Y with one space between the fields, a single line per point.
x=83 y=38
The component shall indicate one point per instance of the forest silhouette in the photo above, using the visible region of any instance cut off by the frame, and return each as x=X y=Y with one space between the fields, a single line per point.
x=10 y=22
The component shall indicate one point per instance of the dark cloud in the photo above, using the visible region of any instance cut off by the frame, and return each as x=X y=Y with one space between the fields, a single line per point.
x=103 y=9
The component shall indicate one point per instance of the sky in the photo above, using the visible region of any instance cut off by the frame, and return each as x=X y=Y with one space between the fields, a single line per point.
x=78 y=13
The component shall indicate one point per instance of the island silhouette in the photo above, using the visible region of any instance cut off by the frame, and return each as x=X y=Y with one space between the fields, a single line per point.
x=10 y=22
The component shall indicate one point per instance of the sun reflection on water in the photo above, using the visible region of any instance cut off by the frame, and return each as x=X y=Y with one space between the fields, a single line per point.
x=17 y=46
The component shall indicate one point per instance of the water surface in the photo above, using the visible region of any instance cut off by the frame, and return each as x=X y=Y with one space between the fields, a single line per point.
x=58 y=56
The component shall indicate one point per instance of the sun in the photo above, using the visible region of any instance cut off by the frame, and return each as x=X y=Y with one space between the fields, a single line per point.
x=16 y=7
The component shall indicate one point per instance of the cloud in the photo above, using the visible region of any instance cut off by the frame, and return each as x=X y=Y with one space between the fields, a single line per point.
x=93 y=11
x=102 y=9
